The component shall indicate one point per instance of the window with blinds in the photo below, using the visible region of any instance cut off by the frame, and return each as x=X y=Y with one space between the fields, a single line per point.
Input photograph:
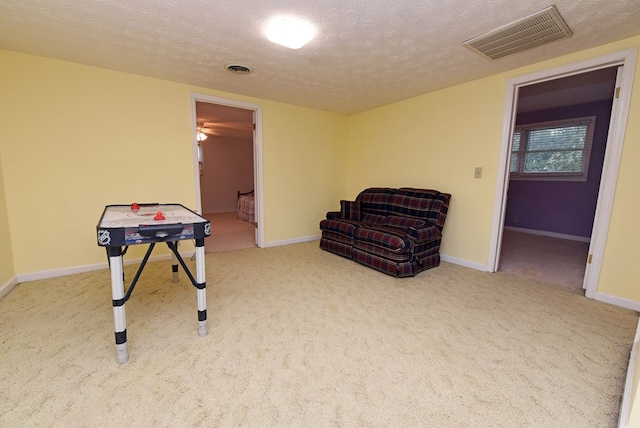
x=552 y=150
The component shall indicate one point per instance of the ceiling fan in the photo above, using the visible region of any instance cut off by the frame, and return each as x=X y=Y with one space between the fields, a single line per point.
x=233 y=128
x=209 y=128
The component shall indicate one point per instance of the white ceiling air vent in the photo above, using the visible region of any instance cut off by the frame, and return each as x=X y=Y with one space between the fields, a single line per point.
x=238 y=69
x=535 y=30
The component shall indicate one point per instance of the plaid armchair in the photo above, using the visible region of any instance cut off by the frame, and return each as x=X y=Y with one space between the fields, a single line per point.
x=395 y=231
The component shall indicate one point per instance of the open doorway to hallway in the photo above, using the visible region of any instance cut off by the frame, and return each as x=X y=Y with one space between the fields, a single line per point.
x=225 y=138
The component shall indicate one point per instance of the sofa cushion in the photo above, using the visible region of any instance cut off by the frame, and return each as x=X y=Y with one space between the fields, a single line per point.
x=350 y=210
x=403 y=222
x=424 y=234
x=386 y=237
x=373 y=219
x=341 y=227
x=336 y=247
x=404 y=202
x=348 y=240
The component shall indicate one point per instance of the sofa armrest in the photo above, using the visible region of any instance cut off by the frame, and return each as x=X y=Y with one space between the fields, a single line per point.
x=424 y=234
x=334 y=215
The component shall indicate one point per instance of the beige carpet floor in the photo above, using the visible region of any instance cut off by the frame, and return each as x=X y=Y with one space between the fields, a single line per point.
x=299 y=337
x=229 y=233
x=548 y=259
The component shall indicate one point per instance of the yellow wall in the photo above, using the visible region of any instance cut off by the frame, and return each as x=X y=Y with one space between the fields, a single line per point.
x=7 y=271
x=76 y=138
x=304 y=168
x=620 y=275
x=436 y=140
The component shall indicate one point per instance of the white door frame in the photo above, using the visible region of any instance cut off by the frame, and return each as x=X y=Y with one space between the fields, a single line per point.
x=613 y=154
x=257 y=154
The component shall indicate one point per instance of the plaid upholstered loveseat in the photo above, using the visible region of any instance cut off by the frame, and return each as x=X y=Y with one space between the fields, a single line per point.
x=395 y=231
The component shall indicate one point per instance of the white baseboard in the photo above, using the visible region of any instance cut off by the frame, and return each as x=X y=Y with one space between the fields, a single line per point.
x=550 y=234
x=292 y=241
x=52 y=273
x=465 y=263
x=618 y=301
x=8 y=286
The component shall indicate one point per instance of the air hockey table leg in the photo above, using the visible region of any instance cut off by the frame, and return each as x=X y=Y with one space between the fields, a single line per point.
x=201 y=288
x=117 y=292
x=174 y=264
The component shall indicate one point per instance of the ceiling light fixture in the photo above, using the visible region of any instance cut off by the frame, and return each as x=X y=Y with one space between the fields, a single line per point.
x=290 y=31
x=201 y=136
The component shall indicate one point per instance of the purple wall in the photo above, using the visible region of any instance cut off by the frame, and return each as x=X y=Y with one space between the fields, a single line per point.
x=566 y=207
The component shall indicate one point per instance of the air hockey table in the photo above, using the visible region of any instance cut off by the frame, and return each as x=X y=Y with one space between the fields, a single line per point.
x=123 y=225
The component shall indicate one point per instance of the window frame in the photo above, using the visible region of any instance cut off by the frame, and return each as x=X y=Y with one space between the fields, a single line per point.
x=524 y=130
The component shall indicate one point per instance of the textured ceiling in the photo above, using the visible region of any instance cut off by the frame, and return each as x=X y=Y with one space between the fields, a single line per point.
x=366 y=54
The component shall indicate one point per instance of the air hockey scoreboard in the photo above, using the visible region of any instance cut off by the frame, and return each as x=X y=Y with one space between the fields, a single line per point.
x=144 y=223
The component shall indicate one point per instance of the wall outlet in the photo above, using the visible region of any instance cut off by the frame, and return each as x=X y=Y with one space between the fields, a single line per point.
x=478 y=172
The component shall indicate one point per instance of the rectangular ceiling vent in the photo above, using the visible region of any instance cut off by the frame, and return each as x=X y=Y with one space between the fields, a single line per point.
x=535 y=30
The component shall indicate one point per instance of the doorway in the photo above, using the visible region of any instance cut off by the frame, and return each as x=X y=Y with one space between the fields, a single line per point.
x=549 y=216
x=626 y=61
x=227 y=171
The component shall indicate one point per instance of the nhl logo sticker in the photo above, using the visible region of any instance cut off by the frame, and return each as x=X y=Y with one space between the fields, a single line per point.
x=207 y=229
x=104 y=237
